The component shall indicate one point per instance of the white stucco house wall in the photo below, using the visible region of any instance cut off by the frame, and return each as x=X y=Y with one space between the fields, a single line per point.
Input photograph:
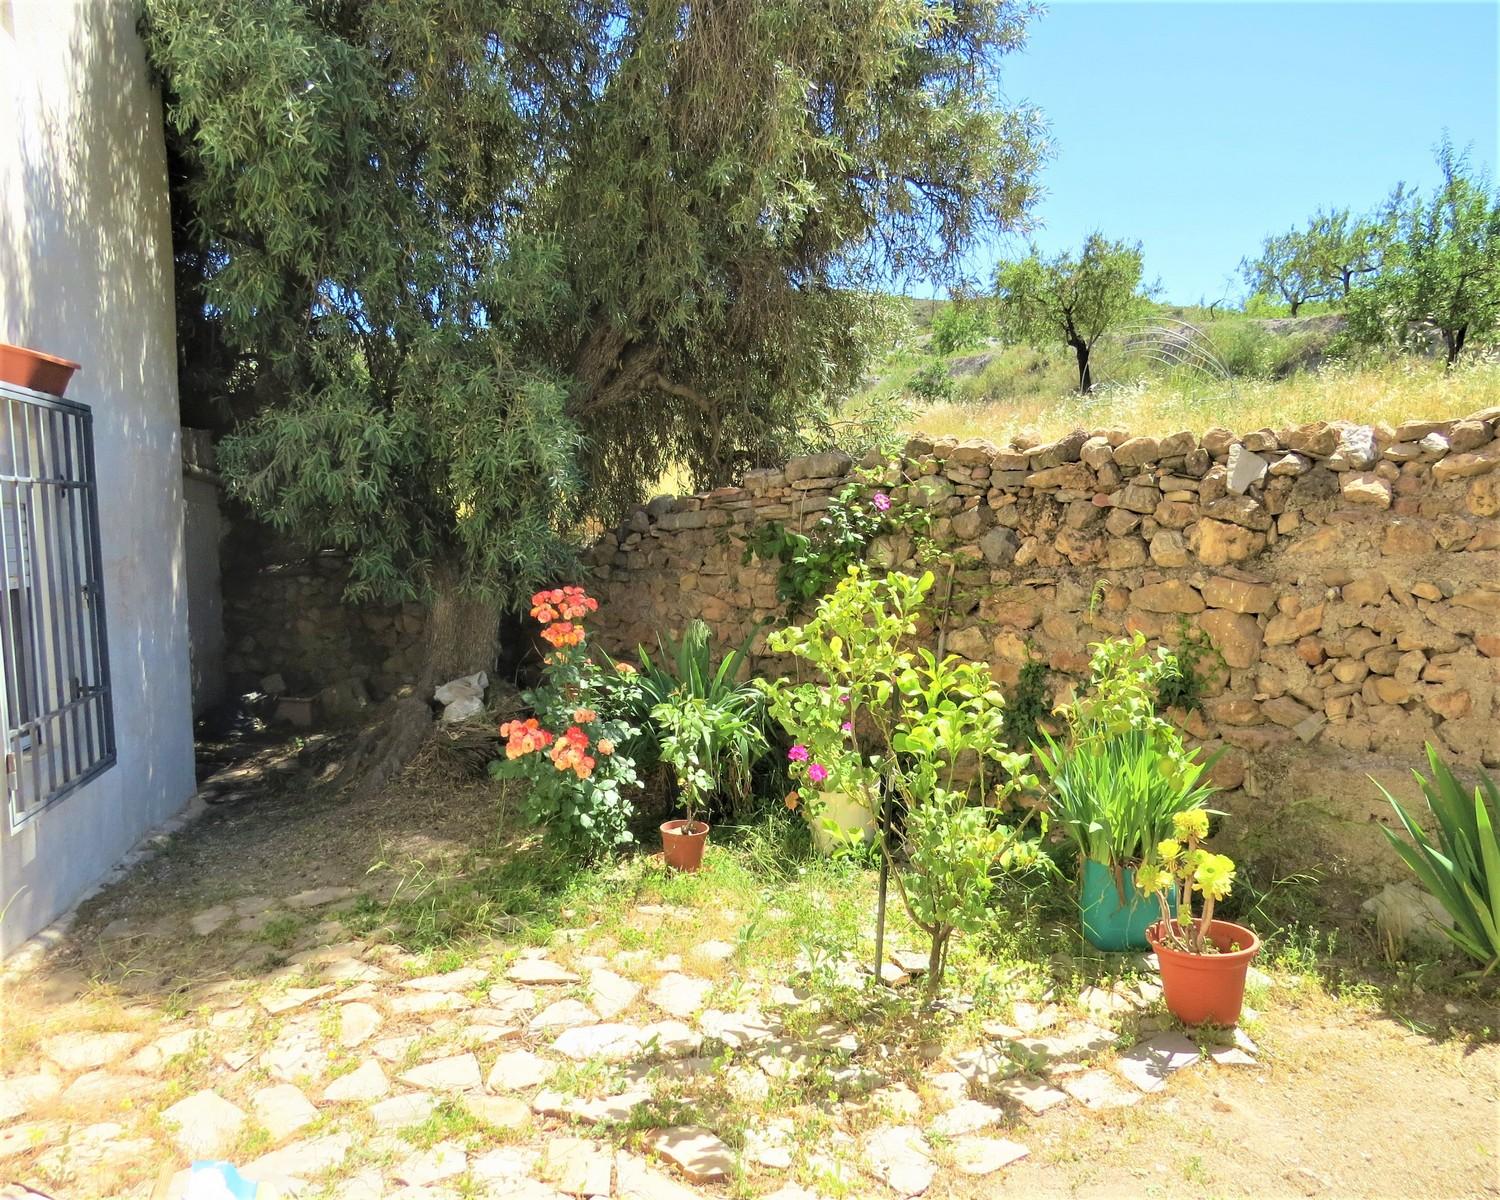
x=86 y=274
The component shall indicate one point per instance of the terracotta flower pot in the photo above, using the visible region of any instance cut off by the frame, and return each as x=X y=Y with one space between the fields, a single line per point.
x=1201 y=988
x=682 y=844
x=35 y=370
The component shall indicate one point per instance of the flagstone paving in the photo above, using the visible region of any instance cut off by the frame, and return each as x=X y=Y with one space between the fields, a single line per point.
x=327 y=1073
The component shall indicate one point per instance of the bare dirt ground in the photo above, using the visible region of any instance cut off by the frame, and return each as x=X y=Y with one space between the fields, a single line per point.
x=1345 y=1098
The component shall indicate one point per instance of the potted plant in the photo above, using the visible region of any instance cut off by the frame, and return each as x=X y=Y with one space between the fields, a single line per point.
x=704 y=742
x=1203 y=962
x=35 y=370
x=1118 y=778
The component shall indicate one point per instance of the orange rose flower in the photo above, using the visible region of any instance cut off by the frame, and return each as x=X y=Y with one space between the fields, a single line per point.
x=524 y=737
x=569 y=753
x=563 y=633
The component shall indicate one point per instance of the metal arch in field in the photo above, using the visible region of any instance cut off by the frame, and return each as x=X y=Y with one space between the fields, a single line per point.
x=1172 y=343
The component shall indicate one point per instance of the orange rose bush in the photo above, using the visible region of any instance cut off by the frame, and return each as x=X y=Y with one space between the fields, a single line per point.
x=572 y=754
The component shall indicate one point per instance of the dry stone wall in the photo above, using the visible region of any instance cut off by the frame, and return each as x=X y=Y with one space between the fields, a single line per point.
x=288 y=627
x=1349 y=575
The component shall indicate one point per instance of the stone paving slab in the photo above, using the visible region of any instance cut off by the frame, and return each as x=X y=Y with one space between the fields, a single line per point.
x=1099 y=1090
x=697 y=1153
x=900 y=1157
x=1149 y=1064
x=985 y=1155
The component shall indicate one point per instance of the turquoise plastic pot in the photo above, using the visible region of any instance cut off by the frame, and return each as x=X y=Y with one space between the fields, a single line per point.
x=1109 y=924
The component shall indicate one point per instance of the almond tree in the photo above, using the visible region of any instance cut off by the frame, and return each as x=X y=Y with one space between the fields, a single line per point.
x=1442 y=269
x=1073 y=300
x=1287 y=269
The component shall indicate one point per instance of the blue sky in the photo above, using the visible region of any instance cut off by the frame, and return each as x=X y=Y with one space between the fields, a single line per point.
x=1198 y=128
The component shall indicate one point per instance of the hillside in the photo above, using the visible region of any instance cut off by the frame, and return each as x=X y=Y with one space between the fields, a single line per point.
x=1245 y=371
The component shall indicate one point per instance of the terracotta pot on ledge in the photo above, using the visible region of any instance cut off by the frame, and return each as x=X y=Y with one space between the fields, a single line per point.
x=35 y=370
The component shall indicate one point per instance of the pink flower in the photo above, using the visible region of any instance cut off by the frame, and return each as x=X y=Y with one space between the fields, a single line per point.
x=817 y=772
x=797 y=753
x=847 y=726
x=881 y=501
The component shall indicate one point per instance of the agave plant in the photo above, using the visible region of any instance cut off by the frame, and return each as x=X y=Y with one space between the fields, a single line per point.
x=1463 y=869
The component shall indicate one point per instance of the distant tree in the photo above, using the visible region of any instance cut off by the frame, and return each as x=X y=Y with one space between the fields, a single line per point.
x=963 y=323
x=1342 y=247
x=1287 y=270
x=1071 y=299
x=485 y=270
x=1442 y=267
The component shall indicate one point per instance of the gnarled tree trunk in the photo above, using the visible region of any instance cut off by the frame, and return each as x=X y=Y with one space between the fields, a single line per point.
x=462 y=636
x=1085 y=375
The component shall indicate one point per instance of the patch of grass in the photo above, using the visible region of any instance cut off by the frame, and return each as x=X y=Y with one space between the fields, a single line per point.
x=513 y=888
x=1390 y=391
x=281 y=931
x=448 y=1121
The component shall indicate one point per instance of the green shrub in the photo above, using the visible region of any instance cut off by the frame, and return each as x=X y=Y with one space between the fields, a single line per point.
x=1185 y=686
x=697 y=715
x=961 y=325
x=1028 y=704
x=931 y=384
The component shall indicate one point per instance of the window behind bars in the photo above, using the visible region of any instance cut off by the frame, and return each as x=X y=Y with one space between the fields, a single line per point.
x=54 y=657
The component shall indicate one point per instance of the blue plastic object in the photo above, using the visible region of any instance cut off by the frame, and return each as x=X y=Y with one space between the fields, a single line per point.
x=210 y=1180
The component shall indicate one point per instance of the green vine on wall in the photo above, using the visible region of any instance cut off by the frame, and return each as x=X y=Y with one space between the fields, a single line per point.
x=1028 y=704
x=811 y=564
x=1191 y=682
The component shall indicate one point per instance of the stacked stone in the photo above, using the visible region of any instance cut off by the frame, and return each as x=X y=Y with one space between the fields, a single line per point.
x=291 y=620
x=1348 y=574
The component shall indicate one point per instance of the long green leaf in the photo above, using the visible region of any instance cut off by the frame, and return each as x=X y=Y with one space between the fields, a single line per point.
x=1462 y=869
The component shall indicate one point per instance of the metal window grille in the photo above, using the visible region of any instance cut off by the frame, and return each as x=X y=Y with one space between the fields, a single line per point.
x=54 y=657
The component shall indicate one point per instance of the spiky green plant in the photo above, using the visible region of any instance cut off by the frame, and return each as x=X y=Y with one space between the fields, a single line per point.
x=699 y=714
x=1463 y=868
x=1116 y=796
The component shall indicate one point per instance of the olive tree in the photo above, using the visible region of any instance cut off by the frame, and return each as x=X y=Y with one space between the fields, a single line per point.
x=485 y=270
x=1073 y=299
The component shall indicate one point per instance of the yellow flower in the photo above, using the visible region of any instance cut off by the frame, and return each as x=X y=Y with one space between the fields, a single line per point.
x=1215 y=876
x=1168 y=849
x=1190 y=824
